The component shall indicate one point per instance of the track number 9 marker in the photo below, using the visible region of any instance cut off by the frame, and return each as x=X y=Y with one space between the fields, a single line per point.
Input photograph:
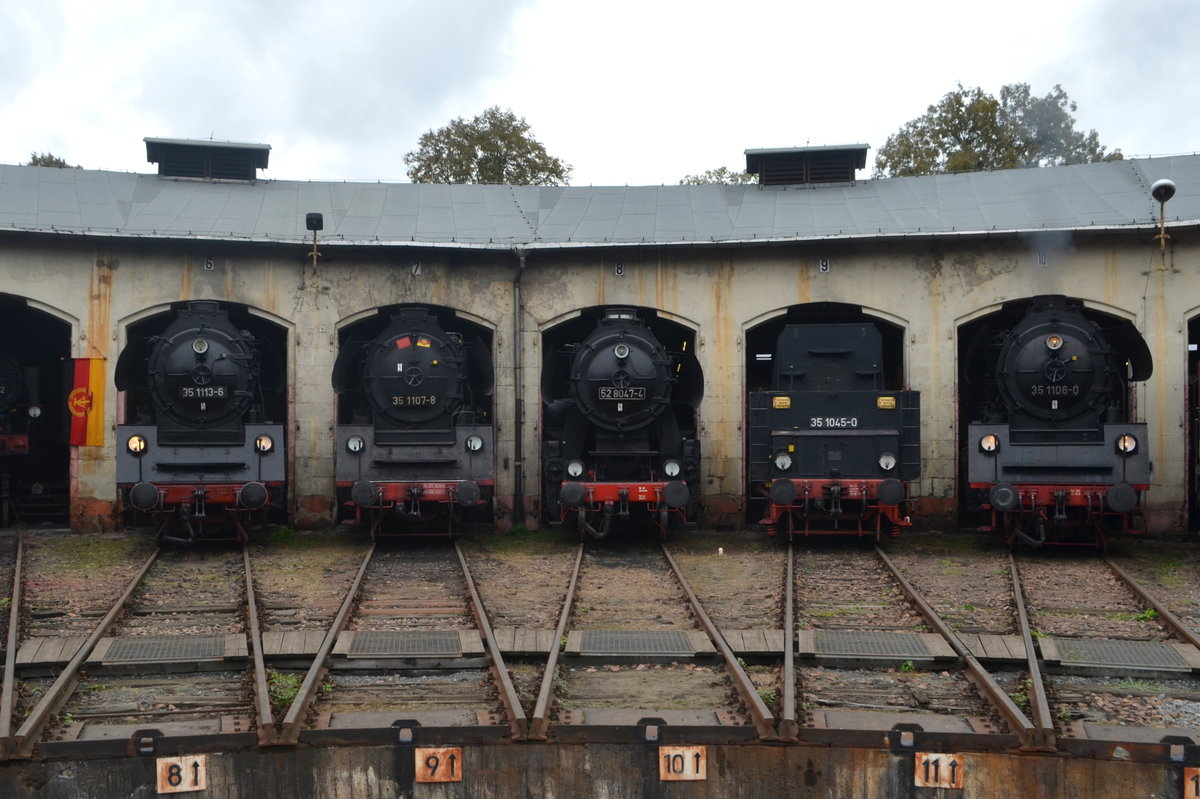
x=439 y=765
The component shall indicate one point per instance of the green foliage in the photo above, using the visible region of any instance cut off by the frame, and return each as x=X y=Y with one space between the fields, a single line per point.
x=908 y=667
x=969 y=130
x=495 y=147
x=767 y=696
x=722 y=175
x=49 y=159
x=281 y=535
x=282 y=687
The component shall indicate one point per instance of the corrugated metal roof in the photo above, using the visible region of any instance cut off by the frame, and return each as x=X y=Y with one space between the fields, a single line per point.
x=1088 y=196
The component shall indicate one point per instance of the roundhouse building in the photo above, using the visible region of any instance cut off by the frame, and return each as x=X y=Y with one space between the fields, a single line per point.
x=86 y=255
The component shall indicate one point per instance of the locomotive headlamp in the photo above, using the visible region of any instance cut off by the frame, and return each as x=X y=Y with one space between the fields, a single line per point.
x=1126 y=444
x=136 y=445
x=783 y=461
x=474 y=443
x=671 y=468
x=355 y=443
x=35 y=411
x=621 y=351
x=989 y=443
x=887 y=461
x=1054 y=341
x=575 y=468
x=264 y=444
x=200 y=346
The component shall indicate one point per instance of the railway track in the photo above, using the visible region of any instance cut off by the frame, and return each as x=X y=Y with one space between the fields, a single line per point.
x=411 y=644
x=503 y=641
x=169 y=650
x=641 y=651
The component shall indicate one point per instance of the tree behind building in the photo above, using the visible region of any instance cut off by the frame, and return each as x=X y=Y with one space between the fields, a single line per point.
x=48 y=159
x=494 y=147
x=970 y=130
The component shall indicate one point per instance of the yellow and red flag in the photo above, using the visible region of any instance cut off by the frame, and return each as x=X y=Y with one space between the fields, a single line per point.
x=85 y=402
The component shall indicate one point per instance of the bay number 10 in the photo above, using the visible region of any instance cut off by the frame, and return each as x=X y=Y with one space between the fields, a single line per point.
x=682 y=763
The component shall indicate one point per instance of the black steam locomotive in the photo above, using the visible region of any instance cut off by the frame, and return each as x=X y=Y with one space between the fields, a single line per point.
x=16 y=410
x=200 y=457
x=619 y=428
x=415 y=442
x=1052 y=448
x=832 y=447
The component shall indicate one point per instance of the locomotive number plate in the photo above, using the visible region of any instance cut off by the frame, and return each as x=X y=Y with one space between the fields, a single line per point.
x=201 y=392
x=414 y=400
x=834 y=422
x=634 y=393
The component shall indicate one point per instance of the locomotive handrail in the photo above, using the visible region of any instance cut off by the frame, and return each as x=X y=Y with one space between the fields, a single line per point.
x=10 y=653
x=22 y=744
x=541 y=710
x=763 y=720
x=1030 y=736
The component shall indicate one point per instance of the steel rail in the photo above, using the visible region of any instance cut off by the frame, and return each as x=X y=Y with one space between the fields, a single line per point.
x=262 y=698
x=763 y=720
x=293 y=721
x=10 y=652
x=1042 y=716
x=22 y=744
x=539 y=726
x=788 y=728
x=976 y=673
x=1176 y=624
x=508 y=693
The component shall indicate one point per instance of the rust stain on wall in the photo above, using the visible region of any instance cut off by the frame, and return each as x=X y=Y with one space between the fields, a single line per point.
x=100 y=309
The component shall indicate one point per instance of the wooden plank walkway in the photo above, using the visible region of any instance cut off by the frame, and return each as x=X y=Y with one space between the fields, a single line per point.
x=755 y=642
x=46 y=651
x=524 y=641
x=998 y=648
x=303 y=643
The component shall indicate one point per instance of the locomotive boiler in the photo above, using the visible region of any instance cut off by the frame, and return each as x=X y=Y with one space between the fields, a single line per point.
x=619 y=439
x=832 y=447
x=200 y=458
x=1054 y=452
x=415 y=441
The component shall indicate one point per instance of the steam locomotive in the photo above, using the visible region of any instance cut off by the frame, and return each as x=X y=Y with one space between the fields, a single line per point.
x=832 y=447
x=16 y=409
x=619 y=428
x=1053 y=451
x=415 y=441
x=200 y=458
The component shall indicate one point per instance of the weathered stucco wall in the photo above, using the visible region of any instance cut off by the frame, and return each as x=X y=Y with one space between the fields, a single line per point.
x=927 y=288
x=569 y=771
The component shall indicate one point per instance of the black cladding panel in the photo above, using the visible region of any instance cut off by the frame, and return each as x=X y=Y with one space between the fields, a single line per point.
x=839 y=357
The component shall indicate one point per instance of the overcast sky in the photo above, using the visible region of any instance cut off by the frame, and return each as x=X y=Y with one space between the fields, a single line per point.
x=628 y=92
